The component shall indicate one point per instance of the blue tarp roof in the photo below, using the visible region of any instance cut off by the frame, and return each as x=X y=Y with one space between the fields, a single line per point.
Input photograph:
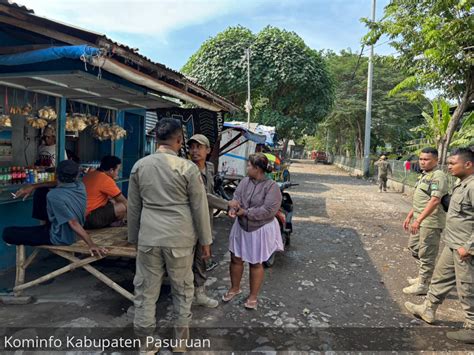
x=47 y=54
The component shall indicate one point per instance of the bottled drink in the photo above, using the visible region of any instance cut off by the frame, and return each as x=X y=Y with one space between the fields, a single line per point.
x=22 y=176
x=31 y=176
x=13 y=175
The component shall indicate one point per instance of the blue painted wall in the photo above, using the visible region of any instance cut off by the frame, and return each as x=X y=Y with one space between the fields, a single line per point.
x=134 y=143
x=17 y=213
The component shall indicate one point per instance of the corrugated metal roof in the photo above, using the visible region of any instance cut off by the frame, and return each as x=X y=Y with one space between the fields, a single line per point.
x=150 y=121
x=18 y=6
x=100 y=38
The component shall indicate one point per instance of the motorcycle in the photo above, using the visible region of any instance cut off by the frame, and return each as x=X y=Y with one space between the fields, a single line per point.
x=284 y=217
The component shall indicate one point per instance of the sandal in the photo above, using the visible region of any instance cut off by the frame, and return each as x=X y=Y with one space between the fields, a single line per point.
x=251 y=304
x=228 y=296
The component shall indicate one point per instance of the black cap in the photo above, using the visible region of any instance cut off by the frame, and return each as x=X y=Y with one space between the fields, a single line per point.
x=67 y=171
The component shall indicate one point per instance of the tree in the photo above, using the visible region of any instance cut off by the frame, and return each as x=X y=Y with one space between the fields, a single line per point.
x=434 y=42
x=291 y=87
x=392 y=116
x=435 y=125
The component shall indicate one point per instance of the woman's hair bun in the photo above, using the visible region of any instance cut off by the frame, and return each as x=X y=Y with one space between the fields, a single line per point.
x=260 y=160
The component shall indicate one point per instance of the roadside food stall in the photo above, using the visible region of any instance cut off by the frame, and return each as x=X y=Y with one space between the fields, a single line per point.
x=237 y=143
x=94 y=94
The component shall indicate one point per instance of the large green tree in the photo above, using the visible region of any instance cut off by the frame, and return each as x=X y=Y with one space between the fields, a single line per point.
x=434 y=40
x=290 y=85
x=392 y=115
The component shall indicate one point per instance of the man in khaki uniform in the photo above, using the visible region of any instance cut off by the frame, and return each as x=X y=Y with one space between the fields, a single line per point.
x=429 y=219
x=455 y=266
x=383 y=168
x=200 y=148
x=167 y=214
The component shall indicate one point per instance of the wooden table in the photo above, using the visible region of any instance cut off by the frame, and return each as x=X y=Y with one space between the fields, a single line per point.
x=114 y=239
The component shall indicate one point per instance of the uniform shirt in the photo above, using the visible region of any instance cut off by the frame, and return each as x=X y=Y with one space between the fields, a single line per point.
x=213 y=200
x=383 y=167
x=65 y=202
x=167 y=204
x=460 y=217
x=433 y=183
x=100 y=188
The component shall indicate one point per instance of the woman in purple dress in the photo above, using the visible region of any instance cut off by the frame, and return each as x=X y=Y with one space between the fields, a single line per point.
x=255 y=235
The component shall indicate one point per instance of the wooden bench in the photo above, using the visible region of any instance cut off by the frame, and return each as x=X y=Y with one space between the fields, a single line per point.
x=114 y=239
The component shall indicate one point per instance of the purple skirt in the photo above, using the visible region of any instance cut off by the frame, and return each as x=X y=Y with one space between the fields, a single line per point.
x=257 y=246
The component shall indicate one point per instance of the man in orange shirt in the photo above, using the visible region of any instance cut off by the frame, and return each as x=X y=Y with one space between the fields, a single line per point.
x=105 y=202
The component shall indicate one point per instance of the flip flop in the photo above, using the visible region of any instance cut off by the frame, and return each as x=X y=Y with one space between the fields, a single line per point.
x=228 y=296
x=251 y=304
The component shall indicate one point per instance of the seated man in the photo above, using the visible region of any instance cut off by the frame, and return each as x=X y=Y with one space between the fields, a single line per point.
x=66 y=205
x=105 y=202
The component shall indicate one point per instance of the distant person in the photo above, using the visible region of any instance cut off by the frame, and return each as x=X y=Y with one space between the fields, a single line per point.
x=455 y=266
x=255 y=235
x=66 y=206
x=426 y=220
x=105 y=202
x=407 y=165
x=383 y=169
x=47 y=149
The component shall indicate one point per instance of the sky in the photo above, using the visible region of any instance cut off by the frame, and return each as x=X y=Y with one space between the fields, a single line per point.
x=170 y=31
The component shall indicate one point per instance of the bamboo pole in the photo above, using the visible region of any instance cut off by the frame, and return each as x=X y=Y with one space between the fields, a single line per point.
x=20 y=270
x=30 y=259
x=56 y=273
x=105 y=279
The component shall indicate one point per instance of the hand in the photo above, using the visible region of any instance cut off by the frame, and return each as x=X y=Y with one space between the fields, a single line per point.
x=234 y=204
x=463 y=254
x=99 y=251
x=232 y=213
x=240 y=212
x=205 y=252
x=406 y=224
x=25 y=191
x=415 y=227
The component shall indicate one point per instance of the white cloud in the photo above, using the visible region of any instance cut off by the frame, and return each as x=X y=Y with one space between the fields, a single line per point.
x=152 y=18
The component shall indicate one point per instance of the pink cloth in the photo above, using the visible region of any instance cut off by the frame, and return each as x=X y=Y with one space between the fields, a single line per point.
x=257 y=246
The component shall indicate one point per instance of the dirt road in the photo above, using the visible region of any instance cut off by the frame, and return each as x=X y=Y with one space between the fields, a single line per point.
x=337 y=287
x=346 y=266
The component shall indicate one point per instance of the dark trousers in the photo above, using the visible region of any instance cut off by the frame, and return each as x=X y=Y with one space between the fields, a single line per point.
x=35 y=235
x=39 y=204
x=199 y=267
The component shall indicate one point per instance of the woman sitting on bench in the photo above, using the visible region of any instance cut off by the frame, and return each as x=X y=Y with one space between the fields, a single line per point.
x=66 y=206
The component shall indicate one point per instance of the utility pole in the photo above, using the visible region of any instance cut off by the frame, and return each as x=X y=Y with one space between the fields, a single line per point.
x=368 y=110
x=248 y=105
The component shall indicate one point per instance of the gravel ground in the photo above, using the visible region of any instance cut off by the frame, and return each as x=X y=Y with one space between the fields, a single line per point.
x=338 y=286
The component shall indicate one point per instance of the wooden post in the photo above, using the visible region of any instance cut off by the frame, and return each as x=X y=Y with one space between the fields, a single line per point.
x=20 y=270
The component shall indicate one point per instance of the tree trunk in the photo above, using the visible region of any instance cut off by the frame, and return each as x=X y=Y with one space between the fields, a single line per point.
x=456 y=118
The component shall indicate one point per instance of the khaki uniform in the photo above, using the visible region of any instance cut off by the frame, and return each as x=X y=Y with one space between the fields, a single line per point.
x=450 y=270
x=167 y=215
x=199 y=265
x=425 y=244
x=383 y=168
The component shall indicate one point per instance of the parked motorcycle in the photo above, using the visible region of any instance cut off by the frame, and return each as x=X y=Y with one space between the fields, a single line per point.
x=284 y=217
